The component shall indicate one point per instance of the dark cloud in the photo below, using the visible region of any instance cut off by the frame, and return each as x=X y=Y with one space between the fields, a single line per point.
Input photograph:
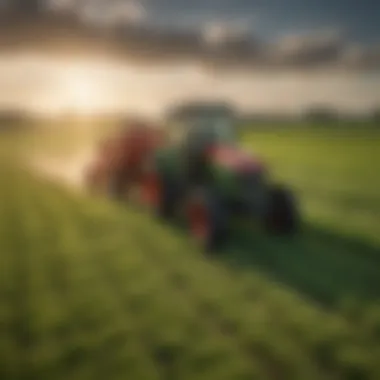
x=362 y=58
x=309 y=51
x=233 y=45
x=243 y=51
x=26 y=7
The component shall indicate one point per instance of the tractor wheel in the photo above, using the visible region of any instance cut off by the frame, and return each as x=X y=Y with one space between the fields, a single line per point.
x=282 y=213
x=158 y=194
x=207 y=220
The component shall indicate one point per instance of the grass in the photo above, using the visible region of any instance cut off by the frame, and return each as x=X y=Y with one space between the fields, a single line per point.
x=92 y=290
x=334 y=173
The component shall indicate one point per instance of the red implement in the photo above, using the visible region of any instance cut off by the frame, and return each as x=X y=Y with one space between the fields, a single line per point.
x=126 y=154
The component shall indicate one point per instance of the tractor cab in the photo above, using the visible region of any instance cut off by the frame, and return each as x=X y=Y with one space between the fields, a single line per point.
x=199 y=125
x=195 y=128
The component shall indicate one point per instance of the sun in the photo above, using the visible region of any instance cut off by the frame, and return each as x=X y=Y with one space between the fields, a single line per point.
x=80 y=92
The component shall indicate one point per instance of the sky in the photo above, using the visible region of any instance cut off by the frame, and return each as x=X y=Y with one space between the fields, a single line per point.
x=267 y=17
x=264 y=55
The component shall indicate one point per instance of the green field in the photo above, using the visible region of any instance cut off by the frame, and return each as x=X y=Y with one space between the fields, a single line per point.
x=93 y=290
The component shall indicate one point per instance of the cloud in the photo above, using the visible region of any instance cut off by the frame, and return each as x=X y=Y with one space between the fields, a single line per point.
x=323 y=48
x=362 y=57
x=224 y=47
x=61 y=5
x=220 y=44
x=4 y=4
x=217 y=33
x=113 y=13
x=102 y=13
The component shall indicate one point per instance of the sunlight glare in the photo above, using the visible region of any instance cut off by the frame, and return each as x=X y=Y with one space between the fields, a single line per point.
x=81 y=92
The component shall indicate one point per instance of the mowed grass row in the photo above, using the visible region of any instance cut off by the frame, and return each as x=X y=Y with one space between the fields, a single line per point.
x=90 y=290
x=335 y=172
x=335 y=175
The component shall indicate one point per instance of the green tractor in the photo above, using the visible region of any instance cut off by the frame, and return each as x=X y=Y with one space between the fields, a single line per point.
x=202 y=176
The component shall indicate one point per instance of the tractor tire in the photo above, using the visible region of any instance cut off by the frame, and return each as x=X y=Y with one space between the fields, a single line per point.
x=207 y=220
x=282 y=215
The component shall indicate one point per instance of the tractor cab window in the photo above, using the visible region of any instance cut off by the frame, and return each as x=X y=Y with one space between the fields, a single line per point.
x=210 y=129
x=196 y=124
x=225 y=129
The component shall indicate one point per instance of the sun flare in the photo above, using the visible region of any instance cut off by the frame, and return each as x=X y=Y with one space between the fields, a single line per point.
x=80 y=92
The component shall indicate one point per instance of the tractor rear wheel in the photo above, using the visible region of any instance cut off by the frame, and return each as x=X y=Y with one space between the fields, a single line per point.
x=282 y=215
x=207 y=220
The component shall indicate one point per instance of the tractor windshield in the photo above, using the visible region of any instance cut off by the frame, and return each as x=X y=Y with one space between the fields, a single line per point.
x=203 y=122
x=213 y=128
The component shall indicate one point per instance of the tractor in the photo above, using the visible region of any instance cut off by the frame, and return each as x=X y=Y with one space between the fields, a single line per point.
x=193 y=170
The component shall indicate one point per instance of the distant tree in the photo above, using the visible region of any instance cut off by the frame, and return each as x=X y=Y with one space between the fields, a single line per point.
x=10 y=119
x=376 y=115
x=321 y=114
